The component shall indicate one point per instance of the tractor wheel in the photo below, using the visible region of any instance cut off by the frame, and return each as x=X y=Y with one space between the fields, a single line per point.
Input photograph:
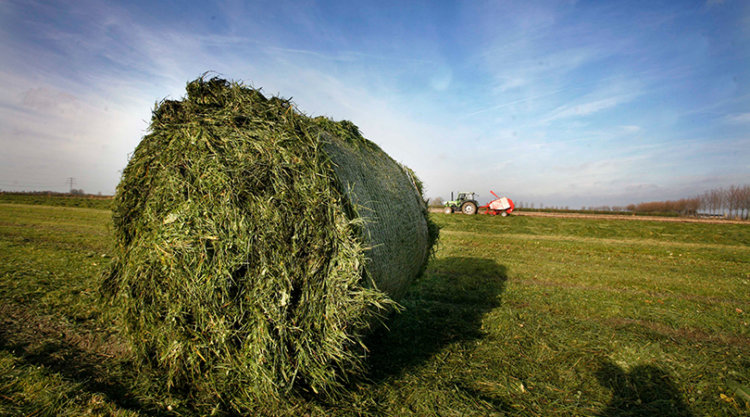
x=504 y=214
x=448 y=210
x=469 y=208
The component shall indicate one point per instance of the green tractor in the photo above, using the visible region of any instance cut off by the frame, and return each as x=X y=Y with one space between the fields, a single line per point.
x=466 y=203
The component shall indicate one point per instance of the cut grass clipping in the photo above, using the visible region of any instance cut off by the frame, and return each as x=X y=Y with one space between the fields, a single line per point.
x=256 y=246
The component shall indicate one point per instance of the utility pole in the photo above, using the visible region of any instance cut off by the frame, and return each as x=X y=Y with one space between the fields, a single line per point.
x=71 y=181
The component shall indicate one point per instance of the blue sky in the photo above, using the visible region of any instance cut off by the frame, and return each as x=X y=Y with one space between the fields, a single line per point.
x=565 y=103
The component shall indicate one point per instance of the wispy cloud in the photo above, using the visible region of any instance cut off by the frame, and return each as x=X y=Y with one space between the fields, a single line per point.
x=630 y=128
x=738 y=118
x=588 y=108
x=46 y=99
x=48 y=134
x=73 y=121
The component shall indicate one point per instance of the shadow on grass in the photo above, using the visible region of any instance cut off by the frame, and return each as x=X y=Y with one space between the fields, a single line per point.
x=39 y=343
x=644 y=391
x=444 y=306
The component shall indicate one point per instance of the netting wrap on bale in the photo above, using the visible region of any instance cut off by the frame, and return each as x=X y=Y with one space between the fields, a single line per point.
x=257 y=246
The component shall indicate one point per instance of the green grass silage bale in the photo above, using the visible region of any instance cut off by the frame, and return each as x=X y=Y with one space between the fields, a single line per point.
x=257 y=246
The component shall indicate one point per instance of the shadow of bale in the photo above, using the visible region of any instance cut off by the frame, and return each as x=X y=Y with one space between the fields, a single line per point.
x=446 y=305
x=644 y=391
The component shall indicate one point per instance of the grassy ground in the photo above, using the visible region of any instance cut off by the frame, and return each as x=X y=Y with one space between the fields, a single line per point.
x=65 y=200
x=519 y=315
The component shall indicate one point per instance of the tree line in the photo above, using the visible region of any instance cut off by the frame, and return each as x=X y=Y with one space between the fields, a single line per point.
x=733 y=201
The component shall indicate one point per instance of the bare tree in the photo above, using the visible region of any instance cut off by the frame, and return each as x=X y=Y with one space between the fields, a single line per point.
x=712 y=201
x=730 y=202
x=436 y=202
x=720 y=197
x=744 y=201
x=733 y=200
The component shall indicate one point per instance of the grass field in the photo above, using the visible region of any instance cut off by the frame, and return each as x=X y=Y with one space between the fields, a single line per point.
x=528 y=316
x=65 y=200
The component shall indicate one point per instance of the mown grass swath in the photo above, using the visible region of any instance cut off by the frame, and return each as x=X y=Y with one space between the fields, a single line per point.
x=256 y=246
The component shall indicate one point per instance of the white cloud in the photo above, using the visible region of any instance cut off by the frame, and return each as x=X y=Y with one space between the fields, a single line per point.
x=630 y=128
x=92 y=123
x=441 y=79
x=47 y=99
x=588 y=108
x=48 y=134
x=738 y=118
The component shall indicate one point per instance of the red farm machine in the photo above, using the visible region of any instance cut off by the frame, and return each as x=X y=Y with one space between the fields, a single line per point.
x=502 y=206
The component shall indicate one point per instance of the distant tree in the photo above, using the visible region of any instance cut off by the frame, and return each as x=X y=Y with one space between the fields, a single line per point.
x=745 y=199
x=719 y=197
x=742 y=197
x=436 y=202
x=693 y=204
x=730 y=202
x=705 y=201
x=735 y=198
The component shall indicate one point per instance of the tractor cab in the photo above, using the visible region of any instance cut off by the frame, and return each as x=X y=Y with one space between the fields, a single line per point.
x=465 y=197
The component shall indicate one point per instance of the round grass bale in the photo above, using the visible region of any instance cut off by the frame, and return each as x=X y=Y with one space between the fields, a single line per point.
x=256 y=246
